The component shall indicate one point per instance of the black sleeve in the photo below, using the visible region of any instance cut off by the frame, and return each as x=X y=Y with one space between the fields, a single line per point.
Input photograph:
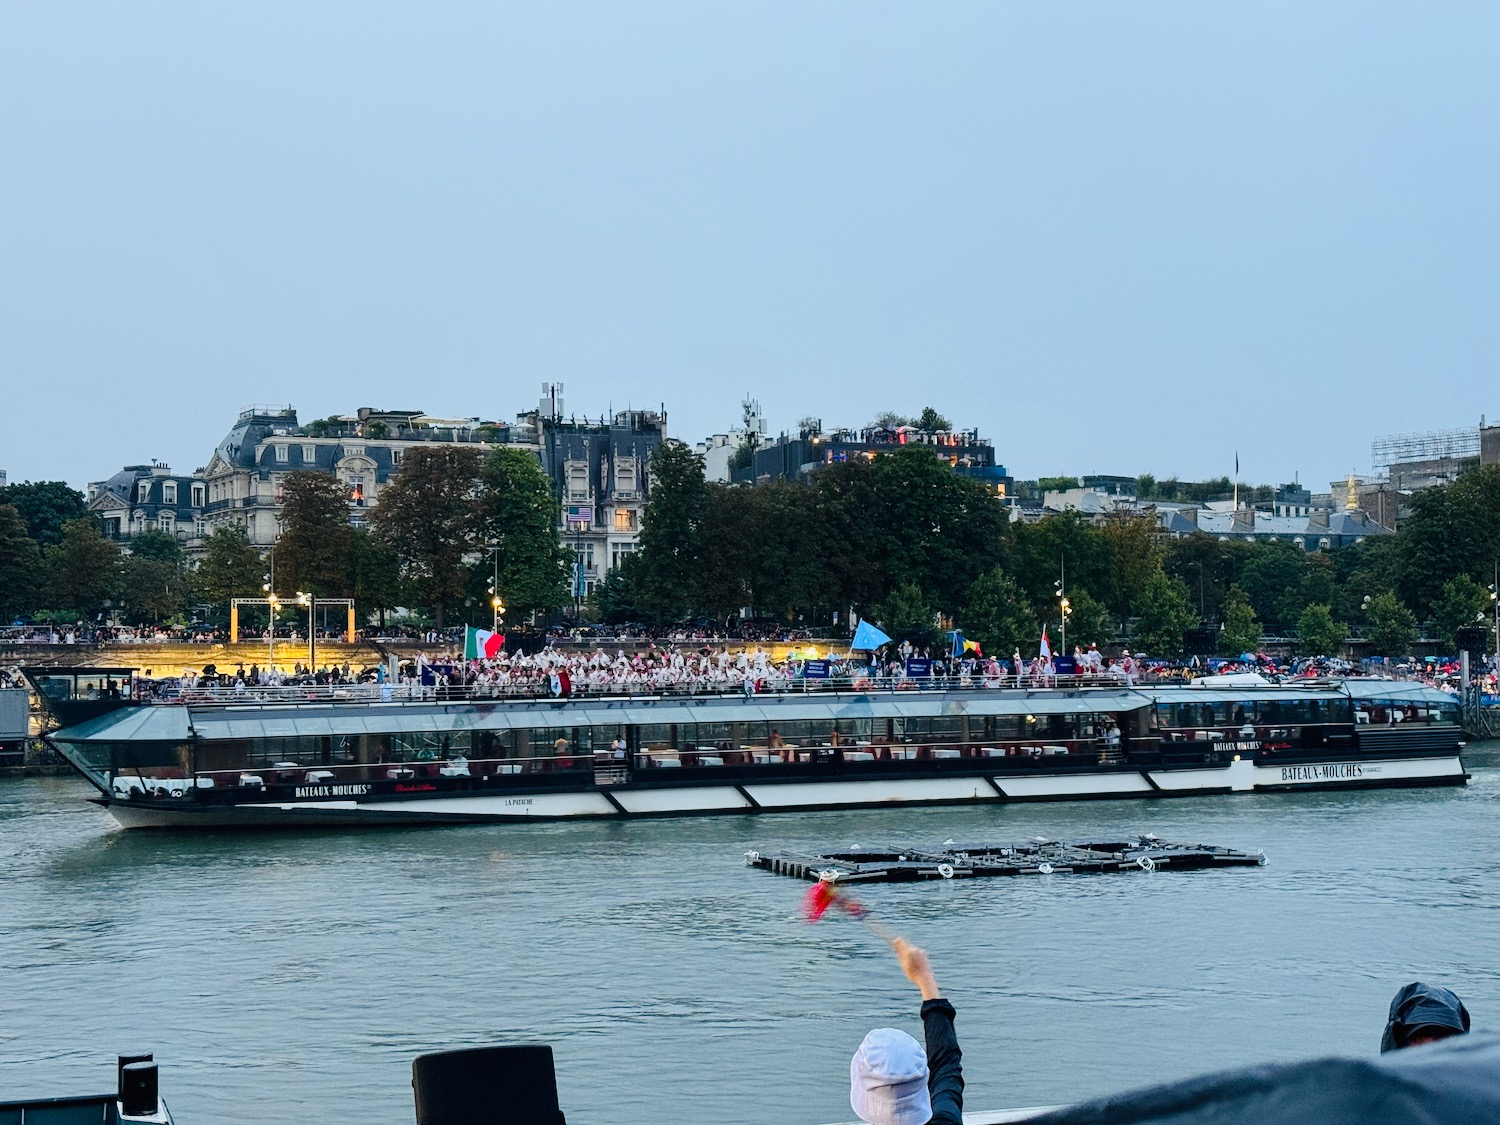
x=945 y=1077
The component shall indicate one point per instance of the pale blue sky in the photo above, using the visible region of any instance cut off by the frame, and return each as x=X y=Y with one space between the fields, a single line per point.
x=1115 y=236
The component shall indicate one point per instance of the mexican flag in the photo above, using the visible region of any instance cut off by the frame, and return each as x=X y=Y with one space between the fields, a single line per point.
x=481 y=644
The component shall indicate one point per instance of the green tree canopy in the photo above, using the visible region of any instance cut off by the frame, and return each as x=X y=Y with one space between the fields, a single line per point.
x=1318 y=634
x=1164 y=612
x=907 y=615
x=1451 y=531
x=996 y=615
x=931 y=422
x=670 y=557
x=1241 y=631
x=314 y=552
x=152 y=589
x=82 y=569
x=20 y=566
x=230 y=568
x=1389 y=626
x=427 y=516
x=376 y=575
x=156 y=545
x=45 y=506
x=518 y=512
x=1463 y=602
x=1089 y=621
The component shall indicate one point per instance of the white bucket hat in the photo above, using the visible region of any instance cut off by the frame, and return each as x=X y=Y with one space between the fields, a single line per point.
x=888 y=1079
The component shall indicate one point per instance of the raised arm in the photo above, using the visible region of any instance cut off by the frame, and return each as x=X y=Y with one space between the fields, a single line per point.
x=945 y=1072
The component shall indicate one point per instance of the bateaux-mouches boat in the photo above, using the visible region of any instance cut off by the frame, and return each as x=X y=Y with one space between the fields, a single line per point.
x=386 y=754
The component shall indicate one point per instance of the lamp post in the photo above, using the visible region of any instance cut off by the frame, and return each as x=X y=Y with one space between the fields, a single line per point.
x=497 y=604
x=1063 y=605
x=268 y=587
x=311 y=602
x=1495 y=606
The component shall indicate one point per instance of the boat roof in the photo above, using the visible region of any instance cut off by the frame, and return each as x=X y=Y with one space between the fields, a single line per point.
x=214 y=722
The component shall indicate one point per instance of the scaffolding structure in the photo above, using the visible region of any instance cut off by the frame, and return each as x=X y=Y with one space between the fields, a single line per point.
x=1398 y=449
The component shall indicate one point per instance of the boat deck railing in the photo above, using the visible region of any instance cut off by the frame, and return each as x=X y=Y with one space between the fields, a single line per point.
x=464 y=693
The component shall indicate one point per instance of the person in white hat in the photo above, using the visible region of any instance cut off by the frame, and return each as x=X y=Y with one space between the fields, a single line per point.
x=892 y=1079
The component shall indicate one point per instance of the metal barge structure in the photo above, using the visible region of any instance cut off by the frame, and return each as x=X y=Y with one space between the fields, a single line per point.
x=382 y=754
x=888 y=864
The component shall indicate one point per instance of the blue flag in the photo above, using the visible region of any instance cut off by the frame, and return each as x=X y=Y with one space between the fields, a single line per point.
x=868 y=638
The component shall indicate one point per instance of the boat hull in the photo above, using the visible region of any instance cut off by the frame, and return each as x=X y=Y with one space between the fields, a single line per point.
x=643 y=801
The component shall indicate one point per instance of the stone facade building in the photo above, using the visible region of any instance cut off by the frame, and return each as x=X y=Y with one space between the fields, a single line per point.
x=600 y=472
x=151 y=497
x=364 y=451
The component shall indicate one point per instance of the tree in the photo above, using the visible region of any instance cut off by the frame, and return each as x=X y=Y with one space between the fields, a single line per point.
x=1241 y=631
x=889 y=420
x=1041 y=550
x=375 y=575
x=1273 y=580
x=1136 y=557
x=156 y=545
x=670 y=561
x=426 y=516
x=1318 y=634
x=996 y=615
x=314 y=552
x=1056 y=484
x=931 y=422
x=231 y=568
x=152 y=589
x=1145 y=487
x=1451 y=531
x=82 y=569
x=45 y=506
x=1164 y=612
x=1389 y=626
x=20 y=565
x=1088 y=620
x=517 y=511
x=1463 y=603
x=908 y=616
x=615 y=597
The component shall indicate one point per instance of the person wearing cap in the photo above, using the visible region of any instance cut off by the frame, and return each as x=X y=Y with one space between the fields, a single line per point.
x=892 y=1079
x=1423 y=1013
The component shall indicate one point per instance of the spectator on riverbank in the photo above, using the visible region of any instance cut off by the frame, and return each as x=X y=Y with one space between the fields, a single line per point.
x=892 y=1079
x=1423 y=1013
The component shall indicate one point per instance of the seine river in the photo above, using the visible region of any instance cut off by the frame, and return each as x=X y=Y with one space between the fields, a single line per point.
x=296 y=975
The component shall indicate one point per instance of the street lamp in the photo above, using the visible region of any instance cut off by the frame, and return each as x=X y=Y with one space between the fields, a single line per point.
x=311 y=602
x=268 y=588
x=1063 y=606
x=497 y=603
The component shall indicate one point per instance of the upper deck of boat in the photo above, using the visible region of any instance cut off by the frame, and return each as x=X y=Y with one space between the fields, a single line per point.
x=265 y=711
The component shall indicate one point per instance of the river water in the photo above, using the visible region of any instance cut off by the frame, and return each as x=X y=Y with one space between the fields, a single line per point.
x=297 y=974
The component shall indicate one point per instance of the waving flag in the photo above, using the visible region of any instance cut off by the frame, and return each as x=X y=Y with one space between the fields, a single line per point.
x=867 y=638
x=481 y=644
x=1046 y=652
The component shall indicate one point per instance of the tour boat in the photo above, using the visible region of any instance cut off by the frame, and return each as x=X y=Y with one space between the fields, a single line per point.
x=398 y=754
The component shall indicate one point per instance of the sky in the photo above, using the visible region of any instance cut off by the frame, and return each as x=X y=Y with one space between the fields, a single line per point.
x=1116 y=237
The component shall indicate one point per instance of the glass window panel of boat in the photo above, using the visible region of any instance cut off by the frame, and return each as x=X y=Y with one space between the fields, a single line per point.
x=155 y=759
x=93 y=757
x=426 y=746
x=946 y=728
x=654 y=734
x=494 y=744
x=857 y=730
x=998 y=727
x=711 y=734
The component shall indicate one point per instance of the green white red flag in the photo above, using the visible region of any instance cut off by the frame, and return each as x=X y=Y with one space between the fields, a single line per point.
x=481 y=644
